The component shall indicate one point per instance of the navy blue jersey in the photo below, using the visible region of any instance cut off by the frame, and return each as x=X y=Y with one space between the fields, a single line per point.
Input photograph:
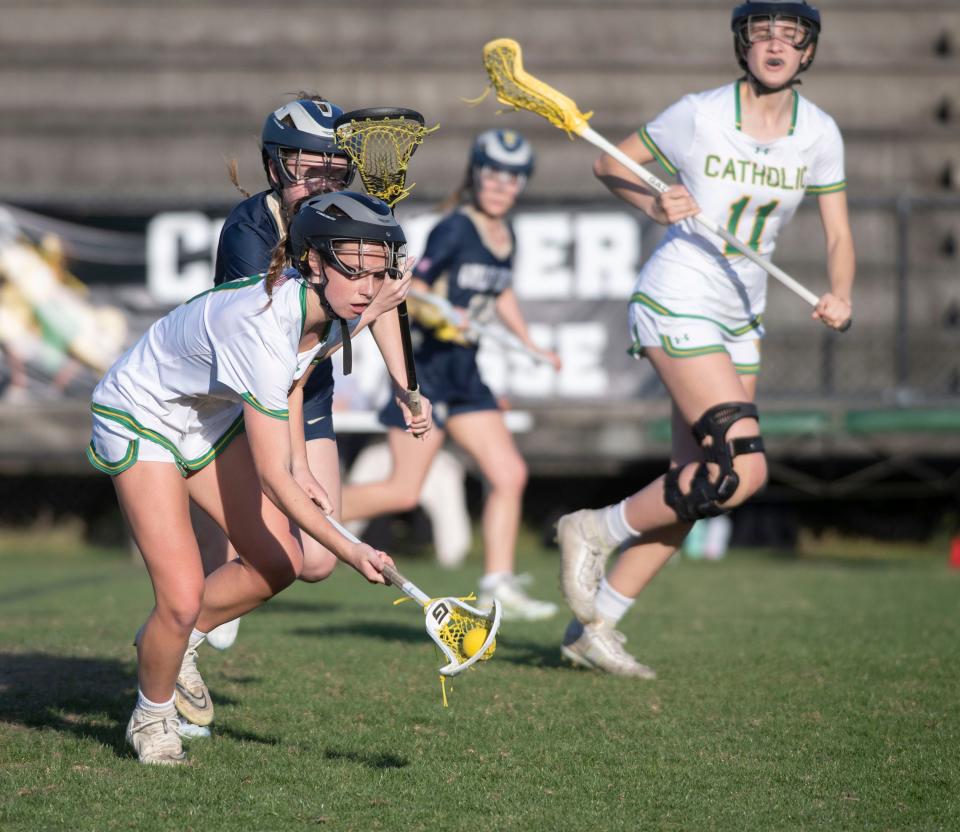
x=249 y=236
x=459 y=266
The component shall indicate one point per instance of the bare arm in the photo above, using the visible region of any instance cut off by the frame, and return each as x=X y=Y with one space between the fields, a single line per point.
x=386 y=332
x=836 y=307
x=508 y=308
x=269 y=440
x=300 y=464
x=673 y=206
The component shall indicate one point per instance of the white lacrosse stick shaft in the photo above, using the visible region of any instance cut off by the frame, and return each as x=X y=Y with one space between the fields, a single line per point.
x=407 y=587
x=457 y=317
x=661 y=187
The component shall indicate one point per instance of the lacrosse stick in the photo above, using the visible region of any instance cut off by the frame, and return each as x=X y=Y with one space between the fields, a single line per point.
x=503 y=61
x=448 y=620
x=380 y=142
x=474 y=329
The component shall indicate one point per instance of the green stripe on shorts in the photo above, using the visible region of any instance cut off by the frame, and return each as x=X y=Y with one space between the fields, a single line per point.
x=660 y=309
x=114 y=468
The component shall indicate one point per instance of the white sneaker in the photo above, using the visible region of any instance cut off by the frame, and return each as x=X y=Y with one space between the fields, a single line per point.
x=599 y=646
x=222 y=637
x=515 y=604
x=155 y=738
x=584 y=549
x=192 y=697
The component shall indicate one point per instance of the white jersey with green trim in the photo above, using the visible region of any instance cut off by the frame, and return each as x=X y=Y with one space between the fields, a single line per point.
x=184 y=382
x=751 y=187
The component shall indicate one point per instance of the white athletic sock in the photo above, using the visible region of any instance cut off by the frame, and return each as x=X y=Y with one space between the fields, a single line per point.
x=616 y=521
x=491 y=579
x=153 y=707
x=610 y=605
x=196 y=637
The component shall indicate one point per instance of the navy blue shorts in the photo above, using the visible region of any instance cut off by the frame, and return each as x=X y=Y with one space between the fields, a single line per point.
x=449 y=377
x=318 y=403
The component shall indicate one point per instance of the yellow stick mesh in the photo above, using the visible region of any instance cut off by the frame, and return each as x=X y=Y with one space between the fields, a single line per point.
x=503 y=61
x=381 y=150
x=460 y=623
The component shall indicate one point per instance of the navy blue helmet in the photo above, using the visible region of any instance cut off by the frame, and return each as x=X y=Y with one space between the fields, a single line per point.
x=302 y=125
x=503 y=150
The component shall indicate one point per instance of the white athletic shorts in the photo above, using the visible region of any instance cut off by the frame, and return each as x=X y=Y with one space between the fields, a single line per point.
x=114 y=448
x=117 y=443
x=682 y=335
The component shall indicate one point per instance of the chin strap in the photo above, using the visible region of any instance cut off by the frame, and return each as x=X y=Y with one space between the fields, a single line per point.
x=344 y=326
x=347 y=349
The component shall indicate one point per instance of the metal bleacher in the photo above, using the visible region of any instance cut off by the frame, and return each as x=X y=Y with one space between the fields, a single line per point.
x=134 y=104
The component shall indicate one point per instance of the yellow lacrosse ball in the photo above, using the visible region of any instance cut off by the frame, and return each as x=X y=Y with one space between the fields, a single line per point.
x=473 y=640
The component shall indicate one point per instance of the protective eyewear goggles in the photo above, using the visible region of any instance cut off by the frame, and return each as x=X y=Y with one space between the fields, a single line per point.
x=498 y=176
x=389 y=261
x=793 y=31
x=321 y=173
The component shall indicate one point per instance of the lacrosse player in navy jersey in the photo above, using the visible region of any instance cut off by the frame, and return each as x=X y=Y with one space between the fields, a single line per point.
x=468 y=261
x=300 y=159
x=745 y=154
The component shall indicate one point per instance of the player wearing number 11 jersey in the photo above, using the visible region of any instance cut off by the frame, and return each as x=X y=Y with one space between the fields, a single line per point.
x=751 y=185
x=744 y=155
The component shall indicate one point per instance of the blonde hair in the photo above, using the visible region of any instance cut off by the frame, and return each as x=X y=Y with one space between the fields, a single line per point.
x=279 y=261
x=233 y=171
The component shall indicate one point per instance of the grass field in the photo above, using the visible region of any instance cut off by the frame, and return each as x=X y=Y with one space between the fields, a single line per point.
x=809 y=694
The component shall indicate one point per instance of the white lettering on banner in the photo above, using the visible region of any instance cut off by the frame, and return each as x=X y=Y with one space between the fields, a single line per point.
x=181 y=248
x=607 y=254
x=560 y=255
x=582 y=255
x=541 y=265
x=581 y=347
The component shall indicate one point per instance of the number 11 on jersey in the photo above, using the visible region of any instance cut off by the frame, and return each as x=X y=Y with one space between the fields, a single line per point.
x=760 y=220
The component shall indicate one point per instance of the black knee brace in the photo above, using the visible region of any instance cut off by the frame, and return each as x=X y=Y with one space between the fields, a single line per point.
x=706 y=497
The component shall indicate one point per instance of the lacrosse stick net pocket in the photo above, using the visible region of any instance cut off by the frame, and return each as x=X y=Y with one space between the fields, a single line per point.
x=503 y=61
x=381 y=146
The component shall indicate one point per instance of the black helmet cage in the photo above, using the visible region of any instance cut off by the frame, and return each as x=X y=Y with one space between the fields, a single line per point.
x=281 y=156
x=802 y=14
x=327 y=247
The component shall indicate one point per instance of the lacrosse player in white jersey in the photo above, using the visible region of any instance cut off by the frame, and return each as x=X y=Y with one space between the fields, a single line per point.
x=207 y=406
x=744 y=155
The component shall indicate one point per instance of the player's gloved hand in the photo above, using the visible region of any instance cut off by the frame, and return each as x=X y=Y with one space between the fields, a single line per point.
x=674 y=205
x=368 y=561
x=305 y=479
x=833 y=311
x=417 y=425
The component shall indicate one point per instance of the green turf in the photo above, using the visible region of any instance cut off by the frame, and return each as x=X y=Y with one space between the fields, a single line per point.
x=792 y=695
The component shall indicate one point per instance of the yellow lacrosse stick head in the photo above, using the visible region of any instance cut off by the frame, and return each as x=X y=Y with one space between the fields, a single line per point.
x=449 y=620
x=503 y=61
x=380 y=142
